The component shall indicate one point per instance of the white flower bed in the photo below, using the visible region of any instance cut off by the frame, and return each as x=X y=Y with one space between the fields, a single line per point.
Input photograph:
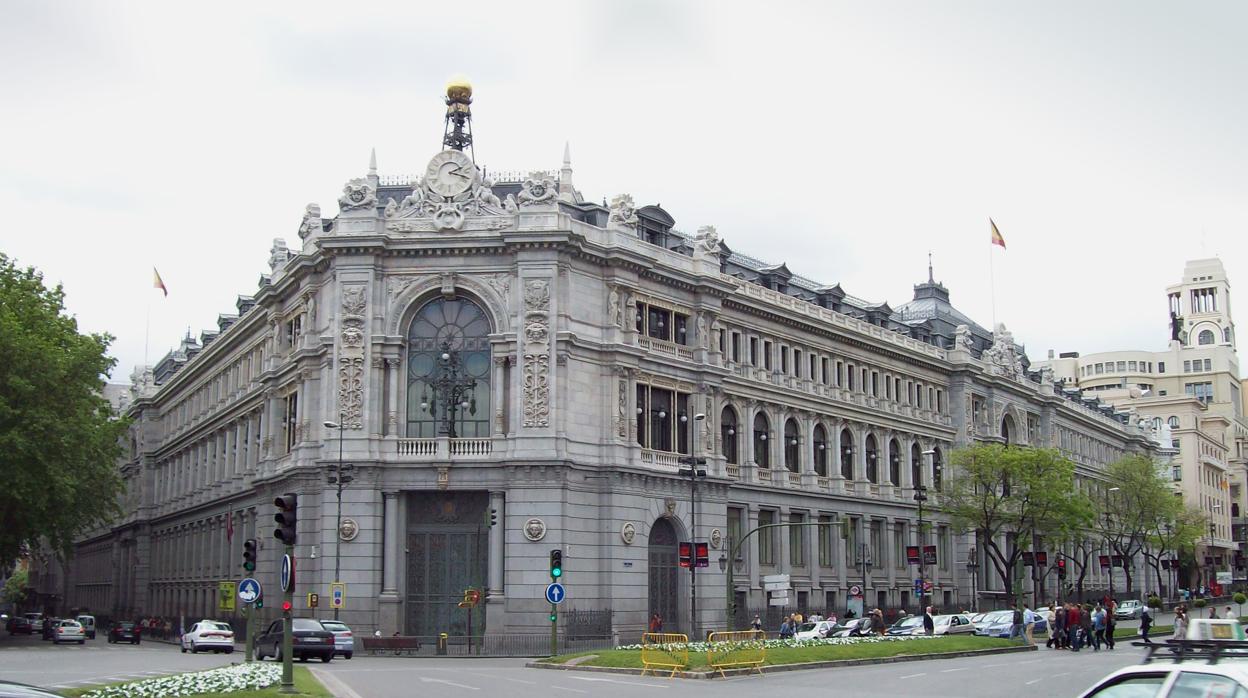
x=237 y=677
x=818 y=642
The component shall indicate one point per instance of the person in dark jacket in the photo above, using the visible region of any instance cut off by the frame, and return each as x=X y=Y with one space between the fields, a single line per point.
x=929 y=624
x=1057 y=628
x=1072 y=626
x=1146 y=622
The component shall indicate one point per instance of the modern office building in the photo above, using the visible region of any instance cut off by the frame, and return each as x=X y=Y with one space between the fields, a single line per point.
x=512 y=368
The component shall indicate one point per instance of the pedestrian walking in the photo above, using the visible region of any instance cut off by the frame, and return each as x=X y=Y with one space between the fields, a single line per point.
x=656 y=623
x=1029 y=624
x=1098 y=627
x=1229 y=615
x=1016 y=624
x=1057 y=627
x=1111 y=624
x=1180 y=623
x=1146 y=623
x=929 y=624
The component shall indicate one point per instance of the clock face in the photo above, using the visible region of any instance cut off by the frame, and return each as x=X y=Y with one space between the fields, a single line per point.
x=450 y=173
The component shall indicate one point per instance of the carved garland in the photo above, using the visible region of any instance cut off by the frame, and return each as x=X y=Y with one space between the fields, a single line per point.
x=351 y=357
x=536 y=353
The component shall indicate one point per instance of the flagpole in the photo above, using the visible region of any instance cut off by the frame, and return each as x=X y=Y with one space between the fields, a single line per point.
x=147 y=329
x=992 y=281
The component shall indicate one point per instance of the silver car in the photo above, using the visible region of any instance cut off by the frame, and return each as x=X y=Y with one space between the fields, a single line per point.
x=344 y=641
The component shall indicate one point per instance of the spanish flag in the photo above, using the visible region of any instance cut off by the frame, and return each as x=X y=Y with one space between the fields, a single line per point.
x=996 y=235
x=157 y=283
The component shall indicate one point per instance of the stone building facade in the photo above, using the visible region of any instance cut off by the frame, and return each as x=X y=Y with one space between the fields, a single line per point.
x=513 y=350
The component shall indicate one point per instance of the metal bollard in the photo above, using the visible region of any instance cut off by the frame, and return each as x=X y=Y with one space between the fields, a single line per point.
x=442 y=643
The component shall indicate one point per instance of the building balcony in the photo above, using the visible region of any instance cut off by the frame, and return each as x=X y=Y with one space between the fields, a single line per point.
x=444 y=448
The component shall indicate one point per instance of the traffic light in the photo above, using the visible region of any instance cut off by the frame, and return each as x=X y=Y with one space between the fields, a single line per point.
x=285 y=517
x=686 y=554
x=493 y=517
x=259 y=602
x=286 y=606
x=249 y=554
x=556 y=564
x=701 y=554
x=1061 y=568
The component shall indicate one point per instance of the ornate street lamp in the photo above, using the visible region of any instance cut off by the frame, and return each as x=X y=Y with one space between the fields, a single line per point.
x=452 y=388
x=339 y=474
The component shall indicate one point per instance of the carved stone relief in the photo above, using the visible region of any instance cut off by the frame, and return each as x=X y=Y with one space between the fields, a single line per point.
x=621 y=416
x=536 y=381
x=351 y=391
x=357 y=194
x=311 y=225
x=351 y=356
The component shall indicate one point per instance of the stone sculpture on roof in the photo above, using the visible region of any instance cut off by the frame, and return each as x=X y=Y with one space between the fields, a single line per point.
x=451 y=190
x=706 y=242
x=623 y=212
x=1003 y=358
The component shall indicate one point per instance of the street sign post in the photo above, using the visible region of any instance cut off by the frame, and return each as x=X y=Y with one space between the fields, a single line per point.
x=249 y=590
x=555 y=593
x=288 y=573
x=776 y=578
x=337 y=595
x=776 y=586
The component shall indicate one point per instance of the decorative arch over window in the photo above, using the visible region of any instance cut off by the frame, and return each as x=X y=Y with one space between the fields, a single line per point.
x=1173 y=422
x=1008 y=429
x=938 y=466
x=762 y=457
x=791 y=454
x=873 y=459
x=847 y=454
x=894 y=462
x=1206 y=337
x=448 y=370
x=820 y=450
x=916 y=465
x=728 y=434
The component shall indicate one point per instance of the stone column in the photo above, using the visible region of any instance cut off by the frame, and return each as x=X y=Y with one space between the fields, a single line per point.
x=751 y=565
x=388 y=618
x=495 y=601
x=888 y=548
x=393 y=372
x=784 y=564
x=812 y=554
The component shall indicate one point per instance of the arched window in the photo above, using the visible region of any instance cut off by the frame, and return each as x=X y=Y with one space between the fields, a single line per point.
x=847 y=454
x=761 y=455
x=820 y=452
x=938 y=466
x=894 y=462
x=873 y=459
x=1173 y=422
x=791 y=454
x=728 y=434
x=1205 y=337
x=448 y=370
x=1007 y=429
x=916 y=466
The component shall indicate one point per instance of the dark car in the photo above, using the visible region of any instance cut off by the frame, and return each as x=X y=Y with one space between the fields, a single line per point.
x=9 y=689
x=124 y=632
x=19 y=625
x=49 y=628
x=308 y=639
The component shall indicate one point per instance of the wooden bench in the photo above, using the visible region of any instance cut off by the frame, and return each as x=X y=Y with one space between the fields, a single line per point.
x=397 y=644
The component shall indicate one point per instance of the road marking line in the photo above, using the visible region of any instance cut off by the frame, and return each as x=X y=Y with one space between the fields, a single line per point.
x=1034 y=681
x=1064 y=673
x=425 y=679
x=334 y=684
x=1029 y=661
x=911 y=676
x=629 y=683
x=573 y=690
x=962 y=668
x=531 y=683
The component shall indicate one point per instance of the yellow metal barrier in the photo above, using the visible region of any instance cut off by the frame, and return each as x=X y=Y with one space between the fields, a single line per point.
x=664 y=650
x=738 y=648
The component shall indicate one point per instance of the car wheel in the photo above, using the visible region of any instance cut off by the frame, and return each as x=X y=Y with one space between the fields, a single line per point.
x=82 y=641
x=194 y=649
x=229 y=650
x=277 y=652
x=346 y=655
x=303 y=658
x=134 y=642
x=326 y=658
x=183 y=648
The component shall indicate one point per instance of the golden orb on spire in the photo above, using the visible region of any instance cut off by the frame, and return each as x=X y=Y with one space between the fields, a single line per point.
x=458 y=89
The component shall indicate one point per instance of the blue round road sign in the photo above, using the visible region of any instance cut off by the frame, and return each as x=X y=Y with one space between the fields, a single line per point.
x=288 y=573
x=555 y=593
x=248 y=590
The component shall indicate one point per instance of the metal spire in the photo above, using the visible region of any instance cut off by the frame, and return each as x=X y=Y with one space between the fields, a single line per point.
x=372 y=163
x=931 y=279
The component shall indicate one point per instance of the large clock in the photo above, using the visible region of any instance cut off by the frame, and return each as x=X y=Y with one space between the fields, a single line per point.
x=450 y=173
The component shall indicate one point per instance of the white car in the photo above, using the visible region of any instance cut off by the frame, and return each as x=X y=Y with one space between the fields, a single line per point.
x=956 y=624
x=344 y=642
x=1163 y=678
x=813 y=631
x=209 y=635
x=69 y=631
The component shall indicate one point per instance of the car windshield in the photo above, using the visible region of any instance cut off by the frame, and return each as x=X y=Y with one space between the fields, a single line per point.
x=1129 y=604
x=334 y=626
x=804 y=627
x=942 y=620
x=69 y=624
x=220 y=626
x=910 y=622
x=999 y=617
x=307 y=624
x=125 y=626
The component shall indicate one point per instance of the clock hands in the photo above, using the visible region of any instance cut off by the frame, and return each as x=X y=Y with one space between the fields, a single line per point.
x=459 y=172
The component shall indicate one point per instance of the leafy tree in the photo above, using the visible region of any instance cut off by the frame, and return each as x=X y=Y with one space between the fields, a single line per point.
x=59 y=438
x=1135 y=501
x=14 y=591
x=1171 y=536
x=1010 y=497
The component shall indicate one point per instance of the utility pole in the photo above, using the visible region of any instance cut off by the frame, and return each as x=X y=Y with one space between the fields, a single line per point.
x=920 y=496
x=696 y=469
x=341 y=476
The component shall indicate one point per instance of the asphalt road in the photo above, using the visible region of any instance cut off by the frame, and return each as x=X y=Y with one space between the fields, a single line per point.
x=1042 y=674
x=27 y=659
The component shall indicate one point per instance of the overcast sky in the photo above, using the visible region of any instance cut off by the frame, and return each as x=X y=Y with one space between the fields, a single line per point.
x=1106 y=139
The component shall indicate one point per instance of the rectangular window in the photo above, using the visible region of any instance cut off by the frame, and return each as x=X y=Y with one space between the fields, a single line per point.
x=1122 y=366
x=1131 y=366
x=823 y=370
x=766 y=538
x=877 y=544
x=735 y=528
x=291 y=424
x=1208 y=365
x=814 y=369
x=797 y=541
x=797 y=363
x=945 y=552
x=850 y=374
x=875 y=384
x=736 y=347
x=682 y=329
x=940 y=401
x=1100 y=368
x=754 y=351
x=784 y=359
x=767 y=355
x=1201 y=391
x=840 y=374
x=888 y=388
x=825 y=541
x=1161 y=366
x=1187 y=366
x=899 y=545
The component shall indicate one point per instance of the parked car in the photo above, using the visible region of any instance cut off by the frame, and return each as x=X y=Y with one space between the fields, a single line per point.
x=954 y=624
x=19 y=624
x=125 y=631
x=208 y=635
x=344 y=641
x=910 y=625
x=1131 y=609
x=9 y=689
x=309 y=639
x=69 y=631
x=855 y=627
x=88 y=624
x=995 y=624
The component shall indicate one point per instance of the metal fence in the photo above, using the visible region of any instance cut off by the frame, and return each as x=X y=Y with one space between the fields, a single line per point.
x=501 y=645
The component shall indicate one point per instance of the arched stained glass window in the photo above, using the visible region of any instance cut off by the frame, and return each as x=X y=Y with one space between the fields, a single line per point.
x=448 y=370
